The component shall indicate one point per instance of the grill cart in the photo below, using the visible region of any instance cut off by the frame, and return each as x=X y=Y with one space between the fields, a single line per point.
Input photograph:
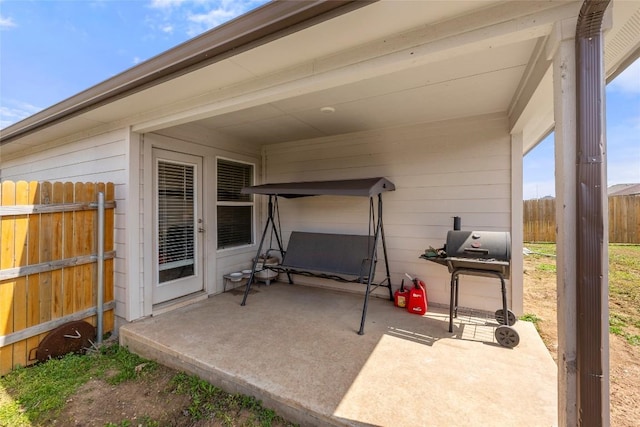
x=479 y=253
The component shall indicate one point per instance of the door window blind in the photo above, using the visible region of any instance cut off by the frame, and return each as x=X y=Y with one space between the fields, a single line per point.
x=176 y=225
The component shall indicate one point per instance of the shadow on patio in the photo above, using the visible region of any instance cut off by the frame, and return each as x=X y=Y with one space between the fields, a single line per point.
x=296 y=349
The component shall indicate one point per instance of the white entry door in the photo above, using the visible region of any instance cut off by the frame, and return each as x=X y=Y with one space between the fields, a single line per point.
x=178 y=237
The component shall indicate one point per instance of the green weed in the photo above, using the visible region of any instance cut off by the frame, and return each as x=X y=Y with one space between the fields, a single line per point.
x=623 y=281
x=551 y=268
x=42 y=389
x=530 y=317
x=145 y=421
x=208 y=401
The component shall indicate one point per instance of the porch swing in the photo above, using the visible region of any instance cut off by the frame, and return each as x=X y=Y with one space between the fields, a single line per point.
x=339 y=257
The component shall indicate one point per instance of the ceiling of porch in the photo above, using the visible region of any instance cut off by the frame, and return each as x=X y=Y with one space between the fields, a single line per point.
x=476 y=83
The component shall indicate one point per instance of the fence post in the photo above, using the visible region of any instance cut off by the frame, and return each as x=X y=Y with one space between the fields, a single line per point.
x=100 y=296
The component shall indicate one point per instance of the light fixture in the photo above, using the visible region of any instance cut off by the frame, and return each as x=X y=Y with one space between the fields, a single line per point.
x=327 y=110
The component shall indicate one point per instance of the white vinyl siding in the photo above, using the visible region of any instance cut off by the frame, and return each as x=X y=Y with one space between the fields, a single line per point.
x=440 y=170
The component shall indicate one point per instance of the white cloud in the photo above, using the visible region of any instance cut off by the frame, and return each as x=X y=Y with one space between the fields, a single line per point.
x=629 y=80
x=201 y=22
x=6 y=23
x=15 y=111
x=194 y=17
x=136 y=60
x=166 y=4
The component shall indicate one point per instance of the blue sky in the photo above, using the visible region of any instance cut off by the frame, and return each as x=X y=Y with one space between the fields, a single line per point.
x=623 y=140
x=53 y=49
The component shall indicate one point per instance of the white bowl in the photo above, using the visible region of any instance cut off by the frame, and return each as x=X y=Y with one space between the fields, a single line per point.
x=246 y=272
x=235 y=277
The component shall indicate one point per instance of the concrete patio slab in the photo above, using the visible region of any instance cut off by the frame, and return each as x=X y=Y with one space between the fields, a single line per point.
x=296 y=348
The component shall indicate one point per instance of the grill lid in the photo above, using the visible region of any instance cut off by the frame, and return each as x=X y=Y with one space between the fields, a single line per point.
x=482 y=245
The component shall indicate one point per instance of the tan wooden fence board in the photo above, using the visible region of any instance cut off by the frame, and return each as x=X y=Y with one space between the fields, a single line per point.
x=48 y=265
x=624 y=220
x=20 y=288
x=7 y=252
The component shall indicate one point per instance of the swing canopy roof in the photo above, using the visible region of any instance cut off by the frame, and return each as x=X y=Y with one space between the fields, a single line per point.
x=366 y=187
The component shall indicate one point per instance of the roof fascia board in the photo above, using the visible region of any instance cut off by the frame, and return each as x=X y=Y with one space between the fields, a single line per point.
x=503 y=24
x=260 y=26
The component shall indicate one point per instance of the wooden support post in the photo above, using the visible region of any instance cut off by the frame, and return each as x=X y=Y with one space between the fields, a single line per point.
x=562 y=50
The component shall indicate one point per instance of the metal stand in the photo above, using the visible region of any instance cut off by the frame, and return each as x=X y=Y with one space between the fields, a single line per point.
x=274 y=228
x=505 y=334
x=379 y=232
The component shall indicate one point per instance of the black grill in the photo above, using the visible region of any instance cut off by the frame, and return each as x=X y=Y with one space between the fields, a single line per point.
x=479 y=253
x=479 y=250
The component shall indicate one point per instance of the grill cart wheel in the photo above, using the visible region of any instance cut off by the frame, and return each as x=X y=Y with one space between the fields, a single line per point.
x=499 y=315
x=507 y=336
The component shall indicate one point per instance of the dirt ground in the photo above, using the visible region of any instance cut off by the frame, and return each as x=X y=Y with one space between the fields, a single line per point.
x=151 y=398
x=147 y=402
x=540 y=299
x=98 y=403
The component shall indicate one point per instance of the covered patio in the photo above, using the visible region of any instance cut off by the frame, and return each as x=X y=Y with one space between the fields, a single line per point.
x=443 y=99
x=296 y=348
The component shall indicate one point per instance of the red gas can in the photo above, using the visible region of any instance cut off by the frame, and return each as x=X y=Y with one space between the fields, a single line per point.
x=401 y=295
x=417 y=299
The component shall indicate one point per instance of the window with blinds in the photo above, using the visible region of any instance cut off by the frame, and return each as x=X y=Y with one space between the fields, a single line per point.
x=235 y=210
x=176 y=225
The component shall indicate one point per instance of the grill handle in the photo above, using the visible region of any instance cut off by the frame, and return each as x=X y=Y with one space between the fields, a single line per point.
x=477 y=251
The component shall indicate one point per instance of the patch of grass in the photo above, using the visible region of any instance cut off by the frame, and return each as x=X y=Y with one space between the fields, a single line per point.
x=548 y=249
x=624 y=291
x=145 y=421
x=624 y=285
x=32 y=393
x=42 y=389
x=618 y=325
x=126 y=364
x=551 y=268
x=35 y=395
x=530 y=317
x=208 y=401
x=544 y=254
x=624 y=279
x=633 y=339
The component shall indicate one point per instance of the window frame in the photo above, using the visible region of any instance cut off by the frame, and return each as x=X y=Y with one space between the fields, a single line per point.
x=250 y=203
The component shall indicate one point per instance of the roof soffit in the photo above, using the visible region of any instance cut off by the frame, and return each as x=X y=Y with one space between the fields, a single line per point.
x=500 y=25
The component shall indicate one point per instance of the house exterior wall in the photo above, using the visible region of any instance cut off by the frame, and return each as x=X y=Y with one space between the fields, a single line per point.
x=440 y=170
x=97 y=158
x=433 y=184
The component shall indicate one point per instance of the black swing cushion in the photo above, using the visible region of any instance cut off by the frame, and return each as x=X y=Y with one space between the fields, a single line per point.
x=335 y=253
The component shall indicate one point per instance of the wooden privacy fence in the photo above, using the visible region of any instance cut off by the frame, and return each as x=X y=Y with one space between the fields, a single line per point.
x=49 y=263
x=624 y=220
